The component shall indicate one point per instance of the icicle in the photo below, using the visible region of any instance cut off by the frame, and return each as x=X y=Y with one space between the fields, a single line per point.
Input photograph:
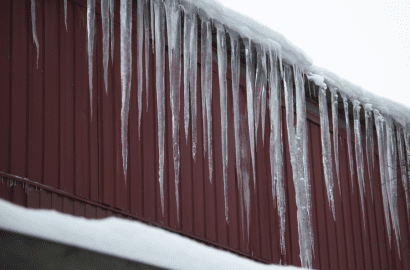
x=90 y=47
x=140 y=37
x=187 y=72
x=204 y=33
x=174 y=51
x=65 y=14
x=300 y=165
x=112 y=29
x=235 y=68
x=392 y=181
x=245 y=191
x=160 y=89
x=222 y=55
x=275 y=147
x=249 y=101
x=403 y=168
x=126 y=72
x=326 y=149
x=359 y=156
x=335 y=134
x=257 y=91
x=369 y=142
x=349 y=138
x=193 y=67
x=263 y=94
x=33 y=23
x=106 y=38
x=146 y=38
x=206 y=82
x=153 y=28
x=381 y=139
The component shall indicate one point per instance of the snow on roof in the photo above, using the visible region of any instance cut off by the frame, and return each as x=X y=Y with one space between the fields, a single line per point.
x=123 y=238
x=259 y=33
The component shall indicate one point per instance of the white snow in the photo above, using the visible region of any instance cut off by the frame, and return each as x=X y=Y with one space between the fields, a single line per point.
x=33 y=23
x=132 y=240
x=326 y=149
x=222 y=67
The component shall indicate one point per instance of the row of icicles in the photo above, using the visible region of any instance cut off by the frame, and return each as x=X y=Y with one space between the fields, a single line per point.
x=266 y=73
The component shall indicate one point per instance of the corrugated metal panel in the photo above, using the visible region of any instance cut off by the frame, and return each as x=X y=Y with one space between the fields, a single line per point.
x=49 y=139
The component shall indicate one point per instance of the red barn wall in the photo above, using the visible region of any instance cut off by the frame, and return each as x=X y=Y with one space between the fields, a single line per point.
x=72 y=160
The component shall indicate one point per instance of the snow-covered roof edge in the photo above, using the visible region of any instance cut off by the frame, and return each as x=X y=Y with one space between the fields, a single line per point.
x=252 y=29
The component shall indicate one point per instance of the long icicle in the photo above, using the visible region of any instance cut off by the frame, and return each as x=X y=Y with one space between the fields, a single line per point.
x=381 y=139
x=235 y=67
x=208 y=90
x=222 y=67
x=140 y=39
x=257 y=91
x=326 y=149
x=392 y=181
x=187 y=70
x=335 y=134
x=105 y=18
x=359 y=157
x=112 y=29
x=369 y=143
x=276 y=147
x=160 y=91
x=403 y=168
x=153 y=22
x=204 y=32
x=126 y=66
x=249 y=101
x=174 y=51
x=65 y=14
x=33 y=24
x=263 y=93
x=146 y=48
x=349 y=138
x=193 y=80
x=90 y=47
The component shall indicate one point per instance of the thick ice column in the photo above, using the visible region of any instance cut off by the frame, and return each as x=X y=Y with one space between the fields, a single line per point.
x=193 y=44
x=298 y=149
x=33 y=24
x=403 y=168
x=392 y=181
x=249 y=102
x=349 y=138
x=381 y=139
x=326 y=149
x=335 y=133
x=105 y=18
x=174 y=51
x=359 y=156
x=221 y=47
x=126 y=71
x=160 y=90
x=90 y=47
x=369 y=142
x=187 y=69
x=140 y=40
x=275 y=145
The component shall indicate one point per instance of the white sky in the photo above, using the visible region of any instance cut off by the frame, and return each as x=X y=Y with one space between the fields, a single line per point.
x=365 y=42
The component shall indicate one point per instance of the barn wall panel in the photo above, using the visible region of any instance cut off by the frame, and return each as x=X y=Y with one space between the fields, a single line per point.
x=58 y=154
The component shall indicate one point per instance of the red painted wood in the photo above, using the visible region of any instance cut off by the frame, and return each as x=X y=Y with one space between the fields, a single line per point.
x=50 y=137
x=19 y=84
x=5 y=78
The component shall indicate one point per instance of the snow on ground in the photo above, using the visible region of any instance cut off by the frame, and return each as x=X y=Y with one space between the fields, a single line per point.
x=122 y=238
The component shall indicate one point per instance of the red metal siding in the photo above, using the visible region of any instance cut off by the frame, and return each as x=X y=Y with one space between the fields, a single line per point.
x=50 y=140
